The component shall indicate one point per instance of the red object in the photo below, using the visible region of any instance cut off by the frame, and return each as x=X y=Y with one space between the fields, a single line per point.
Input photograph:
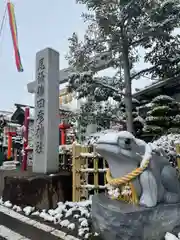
x=10 y=135
x=9 y=146
x=63 y=136
x=63 y=127
x=25 y=144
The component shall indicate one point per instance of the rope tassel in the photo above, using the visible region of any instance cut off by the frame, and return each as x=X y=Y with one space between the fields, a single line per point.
x=127 y=180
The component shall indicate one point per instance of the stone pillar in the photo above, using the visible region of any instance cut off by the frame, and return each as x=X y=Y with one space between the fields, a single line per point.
x=46 y=132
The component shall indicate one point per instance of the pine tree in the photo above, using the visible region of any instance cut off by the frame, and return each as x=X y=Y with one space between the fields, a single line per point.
x=116 y=31
x=163 y=117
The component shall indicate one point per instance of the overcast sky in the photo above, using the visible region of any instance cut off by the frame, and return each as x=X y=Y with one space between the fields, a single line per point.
x=40 y=23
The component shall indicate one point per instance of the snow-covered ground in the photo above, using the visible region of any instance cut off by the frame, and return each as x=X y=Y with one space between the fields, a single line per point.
x=70 y=218
x=75 y=218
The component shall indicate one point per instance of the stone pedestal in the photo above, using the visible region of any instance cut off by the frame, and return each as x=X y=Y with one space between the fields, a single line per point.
x=41 y=191
x=120 y=221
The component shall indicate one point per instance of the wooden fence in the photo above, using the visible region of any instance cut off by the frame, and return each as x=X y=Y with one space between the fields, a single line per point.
x=177 y=144
x=88 y=169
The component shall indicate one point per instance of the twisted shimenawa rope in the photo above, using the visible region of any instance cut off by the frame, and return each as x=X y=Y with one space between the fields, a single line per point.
x=126 y=178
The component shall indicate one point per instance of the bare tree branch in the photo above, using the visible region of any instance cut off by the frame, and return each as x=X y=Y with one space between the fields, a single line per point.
x=138 y=74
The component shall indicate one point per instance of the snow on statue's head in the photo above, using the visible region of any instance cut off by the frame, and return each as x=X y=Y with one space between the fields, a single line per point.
x=122 y=151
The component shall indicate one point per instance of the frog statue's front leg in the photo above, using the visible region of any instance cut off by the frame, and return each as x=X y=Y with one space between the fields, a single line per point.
x=149 y=196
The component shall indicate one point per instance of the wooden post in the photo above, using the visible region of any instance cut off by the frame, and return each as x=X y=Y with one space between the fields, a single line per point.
x=104 y=166
x=74 y=171
x=96 y=176
x=76 y=167
x=84 y=175
x=177 y=144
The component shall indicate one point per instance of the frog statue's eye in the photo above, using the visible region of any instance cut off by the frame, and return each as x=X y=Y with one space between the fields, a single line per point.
x=127 y=141
x=124 y=143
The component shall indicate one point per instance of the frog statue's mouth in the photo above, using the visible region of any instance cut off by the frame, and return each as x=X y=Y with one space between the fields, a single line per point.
x=122 y=151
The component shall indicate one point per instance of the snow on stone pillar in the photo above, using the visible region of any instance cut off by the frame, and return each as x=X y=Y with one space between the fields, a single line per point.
x=46 y=134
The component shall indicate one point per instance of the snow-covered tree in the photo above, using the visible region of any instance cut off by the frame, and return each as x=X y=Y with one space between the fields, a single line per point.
x=117 y=29
x=138 y=121
x=168 y=144
x=100 y=114
x=107 y=115
x=2 y=125
x=163 y=117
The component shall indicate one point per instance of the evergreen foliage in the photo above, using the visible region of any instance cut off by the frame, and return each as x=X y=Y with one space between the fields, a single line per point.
x=163 y=117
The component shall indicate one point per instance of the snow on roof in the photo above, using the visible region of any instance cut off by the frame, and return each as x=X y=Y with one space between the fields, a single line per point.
x=13 y=124
x=6 y=115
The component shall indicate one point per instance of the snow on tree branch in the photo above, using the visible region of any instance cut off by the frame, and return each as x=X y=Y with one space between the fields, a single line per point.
x=119 y=28
x=101 y=88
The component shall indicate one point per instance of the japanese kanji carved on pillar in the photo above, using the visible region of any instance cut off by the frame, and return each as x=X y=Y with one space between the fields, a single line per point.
x=46 y=135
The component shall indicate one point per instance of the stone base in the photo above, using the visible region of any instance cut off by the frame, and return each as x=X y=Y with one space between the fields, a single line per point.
x=116 y=220
x=41 y=191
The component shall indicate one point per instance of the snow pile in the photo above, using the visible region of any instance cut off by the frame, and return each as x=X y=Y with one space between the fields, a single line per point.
x=74 y=217
x=9 y=165
x=28 y=210
x=70 y=216
x=167 y=144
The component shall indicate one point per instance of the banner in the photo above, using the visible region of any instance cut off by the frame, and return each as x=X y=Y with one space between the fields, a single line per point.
x=13 y=28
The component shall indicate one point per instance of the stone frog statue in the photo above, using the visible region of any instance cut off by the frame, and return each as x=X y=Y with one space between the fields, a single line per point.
x=158 y=182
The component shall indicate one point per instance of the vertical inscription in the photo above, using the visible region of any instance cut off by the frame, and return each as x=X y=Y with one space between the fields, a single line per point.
x=40 y=107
